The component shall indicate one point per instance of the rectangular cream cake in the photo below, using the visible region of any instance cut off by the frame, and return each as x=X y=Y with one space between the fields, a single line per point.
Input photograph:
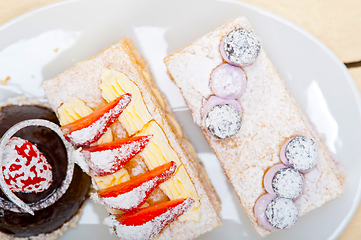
x=270 y=117
x=117 y=70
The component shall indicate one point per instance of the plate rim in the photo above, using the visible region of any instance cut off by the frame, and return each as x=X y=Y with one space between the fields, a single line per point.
x=349 y=79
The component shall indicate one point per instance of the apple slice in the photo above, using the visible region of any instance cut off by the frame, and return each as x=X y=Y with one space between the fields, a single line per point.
x=90 y=128
x=132 y=194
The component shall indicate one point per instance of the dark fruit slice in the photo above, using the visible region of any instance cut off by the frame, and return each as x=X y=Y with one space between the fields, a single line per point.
x=131 y=194
x=107 y=158
x=90 y=128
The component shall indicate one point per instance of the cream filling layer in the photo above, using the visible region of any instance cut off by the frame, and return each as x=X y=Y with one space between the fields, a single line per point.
x=111 y=180
x=74 y=109
x=134 y=119
x=158 y=152
x=115 y=84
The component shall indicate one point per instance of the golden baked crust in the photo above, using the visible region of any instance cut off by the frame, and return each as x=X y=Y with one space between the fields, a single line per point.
x=182 y=138
x=83 y=81
x=270 y=117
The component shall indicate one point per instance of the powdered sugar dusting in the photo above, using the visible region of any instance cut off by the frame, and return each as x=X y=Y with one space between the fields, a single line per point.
x=223 y=121
x=287 y=183
x=282 y=213
x=87 y=76
x=25 y=168
x=132 y=199
x=80 y=160
x=269 y=116
x=301 y=153
x=17 y=204
x=105 y=160
x=241 y=47
x=149 y=229
x=95 y=130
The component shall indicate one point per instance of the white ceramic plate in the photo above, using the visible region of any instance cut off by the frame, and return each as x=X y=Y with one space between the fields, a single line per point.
x=43 y=43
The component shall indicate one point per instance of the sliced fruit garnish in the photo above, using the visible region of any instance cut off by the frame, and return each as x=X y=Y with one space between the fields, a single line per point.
x=107 y=158
x=25 y=168
x=131 y=194
x=90 y=128
x=146 y=223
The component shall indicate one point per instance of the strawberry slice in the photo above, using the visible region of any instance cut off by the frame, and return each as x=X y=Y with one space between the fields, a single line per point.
x=90 y=128
x=146 y=223
x=130 y=195
x=25 y=168
x=107 y=158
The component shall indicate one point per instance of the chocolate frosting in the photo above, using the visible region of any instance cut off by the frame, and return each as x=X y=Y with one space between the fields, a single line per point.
x=53 y=217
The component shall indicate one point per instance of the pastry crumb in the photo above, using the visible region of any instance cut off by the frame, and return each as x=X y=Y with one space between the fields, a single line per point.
x=5 y=82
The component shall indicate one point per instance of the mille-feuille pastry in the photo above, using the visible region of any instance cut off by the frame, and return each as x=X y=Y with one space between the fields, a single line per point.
x=145 y=171
x=277 y=163
x=37 y=169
